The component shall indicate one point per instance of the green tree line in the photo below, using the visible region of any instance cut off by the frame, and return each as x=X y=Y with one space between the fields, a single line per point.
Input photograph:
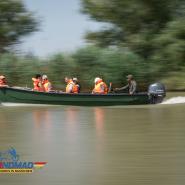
x=87 y=63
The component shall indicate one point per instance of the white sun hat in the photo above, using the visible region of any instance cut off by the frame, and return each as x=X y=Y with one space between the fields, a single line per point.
x=96 y=79
x=44 y=77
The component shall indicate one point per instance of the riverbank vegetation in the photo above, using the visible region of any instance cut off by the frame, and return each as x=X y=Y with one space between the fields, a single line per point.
x=85 y=64
x=146 y=39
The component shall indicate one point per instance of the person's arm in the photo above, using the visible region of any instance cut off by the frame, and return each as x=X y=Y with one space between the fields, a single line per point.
x=34 y=79
x=49 y=87
x=122 y=88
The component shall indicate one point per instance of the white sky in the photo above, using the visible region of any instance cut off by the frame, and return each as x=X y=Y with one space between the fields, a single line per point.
x=62 y=27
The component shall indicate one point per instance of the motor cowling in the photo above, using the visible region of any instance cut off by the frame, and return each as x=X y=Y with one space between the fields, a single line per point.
x=156 y=93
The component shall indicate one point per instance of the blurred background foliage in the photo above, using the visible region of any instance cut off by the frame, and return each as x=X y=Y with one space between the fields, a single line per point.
x=145 y=38
x=15 y=22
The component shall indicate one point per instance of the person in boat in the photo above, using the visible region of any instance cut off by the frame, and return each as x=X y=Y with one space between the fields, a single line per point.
x=76 y=87
x=131 y=86
x=3 y=82
x=100 y=86
x=46 y=84
x=70 y=87
x=37 y=83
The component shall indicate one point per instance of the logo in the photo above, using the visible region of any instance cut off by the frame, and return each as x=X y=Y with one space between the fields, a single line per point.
x=10 y=163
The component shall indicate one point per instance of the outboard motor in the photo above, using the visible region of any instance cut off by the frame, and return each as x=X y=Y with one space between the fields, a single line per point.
x=156 y=93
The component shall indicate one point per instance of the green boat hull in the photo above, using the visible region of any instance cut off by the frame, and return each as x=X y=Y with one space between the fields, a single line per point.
x=16 y=95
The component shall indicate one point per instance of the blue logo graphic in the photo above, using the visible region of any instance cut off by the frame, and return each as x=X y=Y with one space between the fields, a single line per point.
x=9 y=155
x=10 y=163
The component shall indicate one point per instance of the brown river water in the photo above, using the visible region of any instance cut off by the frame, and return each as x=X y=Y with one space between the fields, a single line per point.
x=125 y=145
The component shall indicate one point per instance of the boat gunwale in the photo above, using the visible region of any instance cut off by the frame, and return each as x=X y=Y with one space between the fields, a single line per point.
x=72 y=94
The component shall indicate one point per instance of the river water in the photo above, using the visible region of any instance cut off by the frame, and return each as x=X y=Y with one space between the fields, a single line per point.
x=139 y=145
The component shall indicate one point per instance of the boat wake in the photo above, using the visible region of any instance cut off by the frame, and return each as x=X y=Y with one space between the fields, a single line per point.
x=23 y=104
x=175 y=100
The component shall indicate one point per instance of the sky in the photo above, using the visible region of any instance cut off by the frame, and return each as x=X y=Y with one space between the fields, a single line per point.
x=62 y=27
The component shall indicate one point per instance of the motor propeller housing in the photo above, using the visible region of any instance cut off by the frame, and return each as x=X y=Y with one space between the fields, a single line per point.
x=156 y=93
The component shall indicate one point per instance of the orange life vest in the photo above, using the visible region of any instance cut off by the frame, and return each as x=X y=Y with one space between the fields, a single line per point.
x=47 y=86
x=75 y=88
x=37 y=85
x=68 y=90
x=100 y=88
x=2 y=83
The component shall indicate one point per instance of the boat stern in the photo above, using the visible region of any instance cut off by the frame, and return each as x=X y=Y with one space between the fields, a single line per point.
x=156 y=93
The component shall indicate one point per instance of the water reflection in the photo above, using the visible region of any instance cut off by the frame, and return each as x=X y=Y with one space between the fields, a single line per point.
x=99 y=117
x=71 y=123
x=42 y=118
x=134 y=145
x=3 y=119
